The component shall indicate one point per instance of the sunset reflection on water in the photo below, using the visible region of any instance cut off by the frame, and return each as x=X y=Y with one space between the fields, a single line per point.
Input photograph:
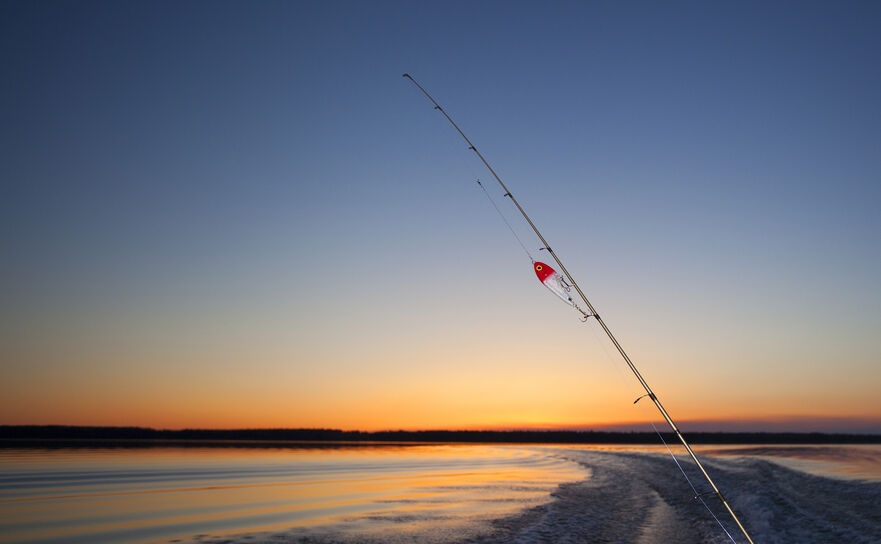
x=157 y=494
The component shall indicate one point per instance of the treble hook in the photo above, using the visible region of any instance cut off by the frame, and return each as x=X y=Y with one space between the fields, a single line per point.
x=584 y=315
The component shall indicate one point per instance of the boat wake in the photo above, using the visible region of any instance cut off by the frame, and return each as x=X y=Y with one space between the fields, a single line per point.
x=640 y=498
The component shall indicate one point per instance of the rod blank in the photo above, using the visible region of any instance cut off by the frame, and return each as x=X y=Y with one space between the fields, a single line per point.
x=592 y=310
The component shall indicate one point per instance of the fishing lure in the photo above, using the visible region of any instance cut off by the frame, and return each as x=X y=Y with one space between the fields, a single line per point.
x=557 y=285
x=553 y=281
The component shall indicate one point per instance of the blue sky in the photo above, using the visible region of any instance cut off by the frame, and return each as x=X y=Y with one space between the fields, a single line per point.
x=251 y=189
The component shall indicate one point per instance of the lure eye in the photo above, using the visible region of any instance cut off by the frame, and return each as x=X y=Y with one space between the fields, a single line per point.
x=538 y=268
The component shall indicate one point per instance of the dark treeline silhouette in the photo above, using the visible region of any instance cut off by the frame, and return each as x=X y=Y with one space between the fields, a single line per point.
x=15 y=435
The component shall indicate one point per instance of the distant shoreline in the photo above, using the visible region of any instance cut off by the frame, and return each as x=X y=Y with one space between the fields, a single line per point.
x=12 y=436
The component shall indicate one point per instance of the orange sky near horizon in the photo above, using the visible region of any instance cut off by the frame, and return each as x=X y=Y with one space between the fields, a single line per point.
x=555 y=377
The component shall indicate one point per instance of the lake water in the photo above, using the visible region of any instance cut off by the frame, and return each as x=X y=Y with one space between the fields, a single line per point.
x=431 y=493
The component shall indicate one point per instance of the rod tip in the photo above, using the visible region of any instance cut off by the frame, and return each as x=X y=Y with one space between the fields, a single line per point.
x=406 y=75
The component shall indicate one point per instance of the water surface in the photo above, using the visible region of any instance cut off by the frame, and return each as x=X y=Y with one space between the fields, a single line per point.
x=443 y=494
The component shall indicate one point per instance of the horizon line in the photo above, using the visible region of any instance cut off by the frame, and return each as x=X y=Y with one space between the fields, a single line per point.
x=613 y=429
x=771 y=424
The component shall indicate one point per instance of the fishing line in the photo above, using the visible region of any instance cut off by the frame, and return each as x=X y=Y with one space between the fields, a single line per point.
x=493 y=202
x=623 y=377
x=628 y=384
x=697 y=495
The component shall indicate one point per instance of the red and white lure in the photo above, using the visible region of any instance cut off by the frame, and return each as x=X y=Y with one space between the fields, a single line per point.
x=553 y=281
x=556 y=283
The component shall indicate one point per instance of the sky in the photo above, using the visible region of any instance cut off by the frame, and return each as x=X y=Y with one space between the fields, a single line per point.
x=239 y=214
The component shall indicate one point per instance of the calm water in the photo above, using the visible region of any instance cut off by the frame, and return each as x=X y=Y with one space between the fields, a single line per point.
x=164 y=494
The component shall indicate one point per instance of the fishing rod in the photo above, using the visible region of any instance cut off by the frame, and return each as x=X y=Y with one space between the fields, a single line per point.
x=593 y=313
